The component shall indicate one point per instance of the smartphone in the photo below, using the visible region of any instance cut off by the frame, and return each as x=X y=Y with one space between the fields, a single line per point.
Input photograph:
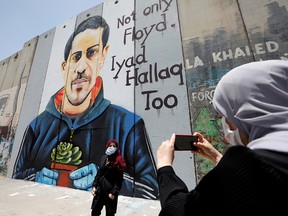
x=185 y=142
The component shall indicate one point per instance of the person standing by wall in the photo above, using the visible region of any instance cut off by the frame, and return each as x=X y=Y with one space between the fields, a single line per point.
x=108 y=181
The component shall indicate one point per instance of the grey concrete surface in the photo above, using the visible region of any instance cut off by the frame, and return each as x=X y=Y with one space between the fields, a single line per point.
x=26 y=198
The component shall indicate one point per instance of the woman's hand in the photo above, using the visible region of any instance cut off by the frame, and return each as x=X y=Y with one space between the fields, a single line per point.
x=111 y=196
x=94 y=190
x=165 y=153
x=206 y=150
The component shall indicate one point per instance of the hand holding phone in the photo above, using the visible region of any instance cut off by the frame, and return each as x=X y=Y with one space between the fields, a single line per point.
x=185 y=142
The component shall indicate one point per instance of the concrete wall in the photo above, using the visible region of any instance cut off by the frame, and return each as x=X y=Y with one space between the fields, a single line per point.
x=164 y=62
x=218 y=36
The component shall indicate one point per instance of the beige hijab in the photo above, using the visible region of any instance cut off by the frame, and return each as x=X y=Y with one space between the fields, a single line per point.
x=254 y=97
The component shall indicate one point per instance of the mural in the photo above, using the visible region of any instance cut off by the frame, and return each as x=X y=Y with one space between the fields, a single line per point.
x=64 y=144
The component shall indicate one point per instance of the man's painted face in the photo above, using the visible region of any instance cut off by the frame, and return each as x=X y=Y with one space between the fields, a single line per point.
x=83 y=65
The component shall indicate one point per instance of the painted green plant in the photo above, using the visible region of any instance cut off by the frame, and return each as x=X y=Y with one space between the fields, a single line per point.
x=65 y=153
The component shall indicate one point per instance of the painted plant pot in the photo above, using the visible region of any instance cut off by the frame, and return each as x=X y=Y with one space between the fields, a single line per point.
x=65 y=158
x=63 y=171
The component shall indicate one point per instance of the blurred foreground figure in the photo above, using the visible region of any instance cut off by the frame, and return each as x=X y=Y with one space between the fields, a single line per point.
x=252 y=176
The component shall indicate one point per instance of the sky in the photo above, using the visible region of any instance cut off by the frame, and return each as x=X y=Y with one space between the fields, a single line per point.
x=22 y=20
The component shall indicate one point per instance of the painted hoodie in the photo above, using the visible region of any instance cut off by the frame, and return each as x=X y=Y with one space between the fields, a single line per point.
x=90 y=131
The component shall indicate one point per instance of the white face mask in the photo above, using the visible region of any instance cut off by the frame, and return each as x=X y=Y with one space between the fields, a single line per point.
x=111 y=150
x=233 y=137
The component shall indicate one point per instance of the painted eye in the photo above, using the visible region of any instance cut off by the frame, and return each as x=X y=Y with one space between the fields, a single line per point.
x=76 y=56
x=91 y=53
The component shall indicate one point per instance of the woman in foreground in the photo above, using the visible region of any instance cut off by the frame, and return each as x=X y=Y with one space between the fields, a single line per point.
x=251 y=178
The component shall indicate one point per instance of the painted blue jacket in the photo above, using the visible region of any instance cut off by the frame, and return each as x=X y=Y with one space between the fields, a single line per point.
x=90 y=132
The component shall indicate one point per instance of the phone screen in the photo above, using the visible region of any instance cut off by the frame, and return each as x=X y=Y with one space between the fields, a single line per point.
x=185 y=142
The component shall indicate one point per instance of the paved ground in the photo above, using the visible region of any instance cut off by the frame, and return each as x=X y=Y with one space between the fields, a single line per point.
x=25 y=198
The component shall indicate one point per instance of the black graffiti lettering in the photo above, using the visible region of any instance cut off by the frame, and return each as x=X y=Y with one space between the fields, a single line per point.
x=141 y=57
x=143 y=77
x=132 y=78
x=113 y=63
x=136 y=35
x=145 y=32
x=129 y=62
x=148 y=98
x=168 y=4
x=127 y=32
x=153 y=75
x=157 y=102
x=125 y=20
x=173 y=99
x=120 y=65
x=156 y=7
x=149 y=10
x=164 y=73
x=162 y=24
x=177 y=70
x=154 y=103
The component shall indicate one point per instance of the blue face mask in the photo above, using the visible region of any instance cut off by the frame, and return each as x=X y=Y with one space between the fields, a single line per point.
x=111 y=150
x=233 y=137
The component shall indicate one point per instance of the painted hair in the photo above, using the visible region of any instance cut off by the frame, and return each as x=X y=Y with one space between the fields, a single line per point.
x=93 y=22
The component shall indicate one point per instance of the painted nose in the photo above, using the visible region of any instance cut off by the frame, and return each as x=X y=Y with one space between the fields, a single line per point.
x=82 y=65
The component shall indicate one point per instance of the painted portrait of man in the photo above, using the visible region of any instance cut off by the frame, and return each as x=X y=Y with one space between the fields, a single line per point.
x=63 y=145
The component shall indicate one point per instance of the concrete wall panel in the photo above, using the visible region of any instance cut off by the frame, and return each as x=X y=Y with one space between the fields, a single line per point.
x=12 y=95
x=11 y=71
x=3 y=69
x=161 y=84
x=214 y=41
x=120 y=57
x=218 y=36
x=54 y=79
x=267 y=26
x=33 y=93
x=97 y=10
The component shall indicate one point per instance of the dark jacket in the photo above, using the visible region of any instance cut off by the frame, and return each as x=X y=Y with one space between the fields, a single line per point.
x=108 y=180
x=244 y=182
